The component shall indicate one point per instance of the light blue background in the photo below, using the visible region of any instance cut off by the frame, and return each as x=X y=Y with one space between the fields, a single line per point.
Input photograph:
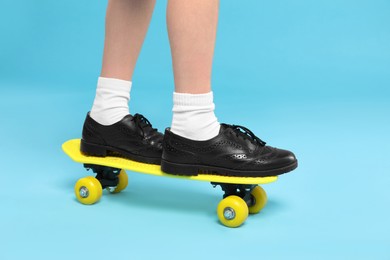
x=310 y=76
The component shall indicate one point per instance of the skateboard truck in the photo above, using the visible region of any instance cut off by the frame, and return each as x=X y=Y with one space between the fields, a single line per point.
x=241 y=190
x=107 y=176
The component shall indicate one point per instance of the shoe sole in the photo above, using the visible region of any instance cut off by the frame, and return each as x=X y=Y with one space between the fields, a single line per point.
x=194 y=170
x=103 y=151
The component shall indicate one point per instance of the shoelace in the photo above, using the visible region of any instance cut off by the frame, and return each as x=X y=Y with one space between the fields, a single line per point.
x=246 y=134
x=142 y=123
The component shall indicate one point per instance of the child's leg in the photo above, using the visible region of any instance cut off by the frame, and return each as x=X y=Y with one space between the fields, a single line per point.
x=109 y=127
x=192 y=27
x=127 y=22
x=196 y=141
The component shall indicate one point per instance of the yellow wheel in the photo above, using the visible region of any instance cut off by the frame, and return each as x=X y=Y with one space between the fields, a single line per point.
x=232 y=211
x=88 y=190
x=258 y=200
x=123 y=181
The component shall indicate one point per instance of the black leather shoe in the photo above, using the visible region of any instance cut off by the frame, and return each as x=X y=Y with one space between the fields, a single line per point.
x=133 y=137
x=235 y=151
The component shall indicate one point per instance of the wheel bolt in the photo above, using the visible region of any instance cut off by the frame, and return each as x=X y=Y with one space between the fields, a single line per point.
x=84 y=192
x=229 y=213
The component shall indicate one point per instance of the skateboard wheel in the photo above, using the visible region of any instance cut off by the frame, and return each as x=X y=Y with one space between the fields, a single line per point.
x=258 y=200
x=88 y=190
x=232 y=211
x=123 y=181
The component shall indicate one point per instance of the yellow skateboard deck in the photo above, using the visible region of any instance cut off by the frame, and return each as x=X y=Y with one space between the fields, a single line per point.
x=72 y=149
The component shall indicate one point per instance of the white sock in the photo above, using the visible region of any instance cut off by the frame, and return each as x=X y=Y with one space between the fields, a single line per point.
x=111 y=102
x=193 y=116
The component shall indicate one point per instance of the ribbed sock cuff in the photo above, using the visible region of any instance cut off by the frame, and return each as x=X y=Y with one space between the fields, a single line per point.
x=185 y=99
x=116 y=85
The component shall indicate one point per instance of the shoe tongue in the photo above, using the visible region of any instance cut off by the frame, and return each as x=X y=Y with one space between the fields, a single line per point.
x=128 y=117
x=144 y=125
x=141 y=121
x=223 y=127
